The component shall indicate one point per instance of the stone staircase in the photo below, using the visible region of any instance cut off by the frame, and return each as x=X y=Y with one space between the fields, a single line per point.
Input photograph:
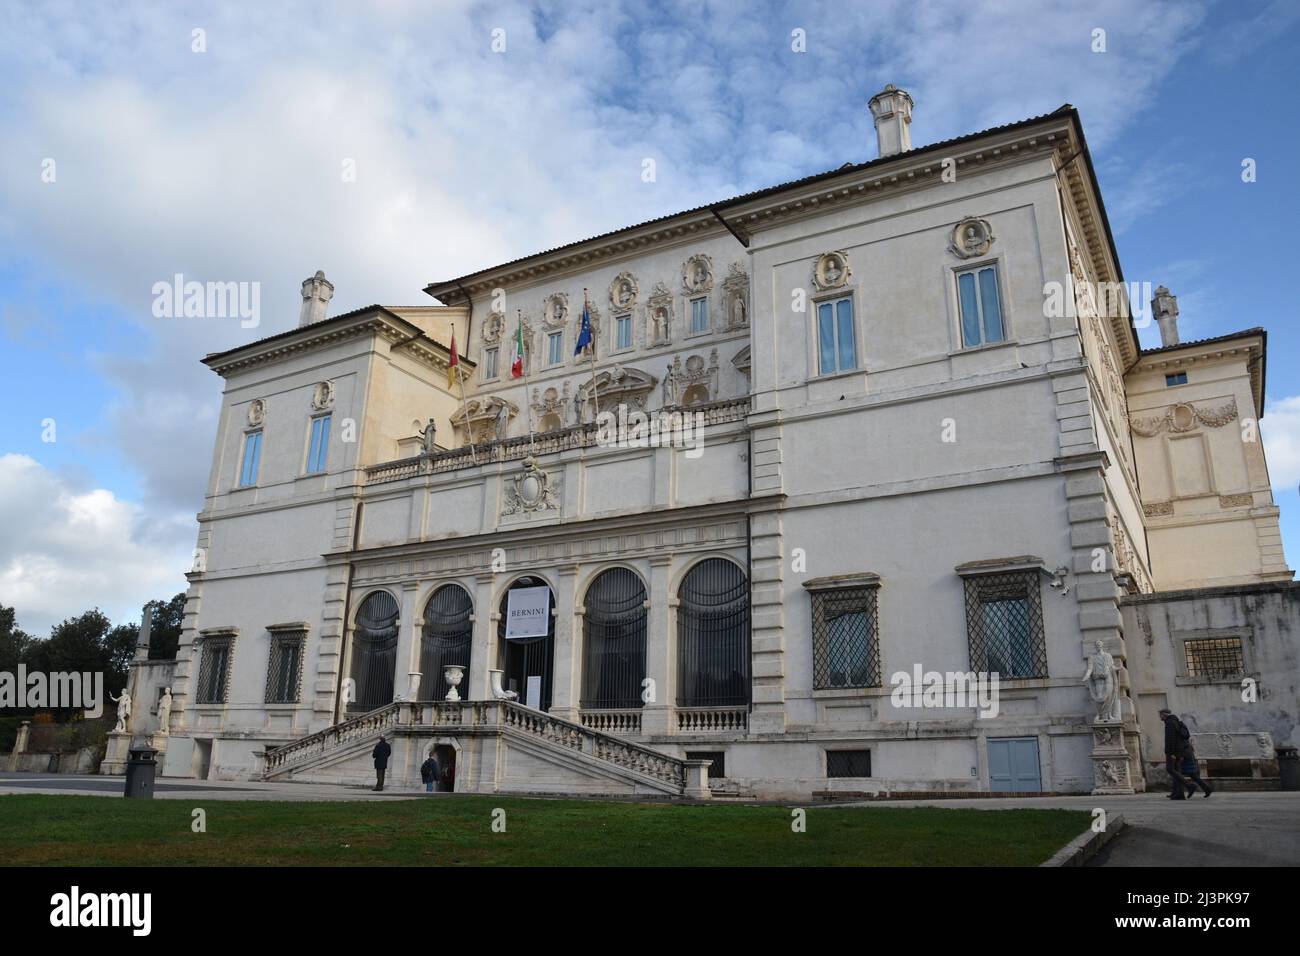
x=501 y=747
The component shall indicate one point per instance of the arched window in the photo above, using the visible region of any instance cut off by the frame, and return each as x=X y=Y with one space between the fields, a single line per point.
x=374 y=651
x=528 y=657
x=614 y=631
x=445 y=639
x=713 y=636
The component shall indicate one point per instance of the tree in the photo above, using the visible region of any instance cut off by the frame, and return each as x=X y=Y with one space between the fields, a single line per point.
x=79 y=645
x=14 y=642
x=165 y=634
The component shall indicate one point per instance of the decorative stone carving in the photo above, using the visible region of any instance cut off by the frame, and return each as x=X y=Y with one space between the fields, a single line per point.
x=1156 y=509
x=693 y=383
x=1185 y=416
x=493 y=327
x=1236 y=501
x=735 y=298
x=659 y=316
x=551 y=408
x=487 y=419
x=1112 y=762
x=831 y=271
x=256 y=412
x=323 y=397
x=617 y=386
x=741 y=361
x=971 y=237
x=555 y=311
x=530 y=491
x=697 y=275
x=623 y=292
x=453 y=674
x=1102 y=680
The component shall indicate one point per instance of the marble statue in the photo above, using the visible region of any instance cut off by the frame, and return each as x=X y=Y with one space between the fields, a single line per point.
x=503 y=420
x=670 y=386
x=430 y=433
x=165 y=710
x=123 y=711
x=1102 y=680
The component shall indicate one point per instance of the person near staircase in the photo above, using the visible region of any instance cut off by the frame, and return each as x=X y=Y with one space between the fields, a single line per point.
x=380 y=753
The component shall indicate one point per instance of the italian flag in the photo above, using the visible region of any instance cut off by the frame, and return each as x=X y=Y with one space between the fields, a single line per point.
x=517 y=359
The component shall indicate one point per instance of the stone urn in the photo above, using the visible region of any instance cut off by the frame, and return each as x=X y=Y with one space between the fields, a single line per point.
x=454 y=674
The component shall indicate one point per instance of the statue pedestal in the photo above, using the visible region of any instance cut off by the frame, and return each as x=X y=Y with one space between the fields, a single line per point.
x=115 y=757
x=1112 y=761
x=158 y=741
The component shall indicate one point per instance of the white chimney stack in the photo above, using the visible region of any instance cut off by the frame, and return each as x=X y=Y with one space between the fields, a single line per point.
x=316 y=294
x=1165 y=306
x=891 y=109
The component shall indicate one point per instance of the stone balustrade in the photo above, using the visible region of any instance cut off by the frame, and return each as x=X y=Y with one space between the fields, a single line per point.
x=712 y=720
x=612 y=721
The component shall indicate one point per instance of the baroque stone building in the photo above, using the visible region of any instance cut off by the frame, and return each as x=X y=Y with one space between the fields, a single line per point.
x=921 y=437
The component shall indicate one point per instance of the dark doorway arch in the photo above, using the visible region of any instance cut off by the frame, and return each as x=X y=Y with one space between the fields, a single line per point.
x=374 y=651
x=529 y=657
x=713 y=636
x=614 y=638
x=445 y=639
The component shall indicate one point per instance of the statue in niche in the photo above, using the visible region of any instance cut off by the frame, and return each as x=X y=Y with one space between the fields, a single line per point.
x=737 y=312
x=503 y=421
x=165 y=710
x=1102 y=680
x=670 y=386
x=661 y=324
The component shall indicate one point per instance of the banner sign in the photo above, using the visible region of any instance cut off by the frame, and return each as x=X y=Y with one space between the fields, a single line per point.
x=528 y=613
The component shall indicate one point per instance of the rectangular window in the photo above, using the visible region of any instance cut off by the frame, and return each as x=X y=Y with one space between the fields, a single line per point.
x=718 y=768
x=214 y=669
x=836 y=348
x=981 y=306
x=489 y=364
x=555 y=348
x=1178 y=379
x=318 y=449
x=1004 y=624
x=1215 y=658
x=699 y=315
x=623 y=332
x=848 y=763
x=252 y=459
x=284 y=670
x=846 y=649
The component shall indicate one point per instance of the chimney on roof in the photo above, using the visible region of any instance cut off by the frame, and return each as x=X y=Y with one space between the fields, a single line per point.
x=316 y=294
x=1165 y=306
x=891 y=109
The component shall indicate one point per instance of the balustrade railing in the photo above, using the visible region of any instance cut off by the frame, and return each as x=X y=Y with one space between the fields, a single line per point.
x=331 y=738
x=711 y=720
x=612 y=721
x=586 y=435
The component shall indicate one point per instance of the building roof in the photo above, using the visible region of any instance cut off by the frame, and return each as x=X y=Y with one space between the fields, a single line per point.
x=435 y=288
x=1259 y=377
x=1213 y=340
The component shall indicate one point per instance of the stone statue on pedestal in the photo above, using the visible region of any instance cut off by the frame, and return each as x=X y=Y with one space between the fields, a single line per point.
x=1102 y=680
x=123 y=712
x=165 y=711
x=429 y=434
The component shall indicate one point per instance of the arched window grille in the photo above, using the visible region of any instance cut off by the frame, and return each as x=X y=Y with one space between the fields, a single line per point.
x=614 y=636
x=713 y=636
x=374 y=650
x=530 y=657
x=445 y=639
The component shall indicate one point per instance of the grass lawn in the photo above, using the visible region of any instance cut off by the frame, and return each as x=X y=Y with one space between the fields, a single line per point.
x=41 y=829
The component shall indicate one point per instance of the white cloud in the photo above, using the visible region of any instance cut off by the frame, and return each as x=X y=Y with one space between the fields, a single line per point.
x=65 y=551
x=1280 y=427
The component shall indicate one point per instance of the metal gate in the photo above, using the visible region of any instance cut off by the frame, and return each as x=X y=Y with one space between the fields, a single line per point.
x=445 y=640
x=713 y=636
x=529 y=657
x=614 y=636
x=374 y=650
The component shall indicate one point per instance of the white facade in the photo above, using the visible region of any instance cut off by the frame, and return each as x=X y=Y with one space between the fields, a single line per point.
x=914 y=479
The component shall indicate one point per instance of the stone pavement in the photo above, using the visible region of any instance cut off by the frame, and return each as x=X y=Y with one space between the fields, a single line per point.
x=166 y=788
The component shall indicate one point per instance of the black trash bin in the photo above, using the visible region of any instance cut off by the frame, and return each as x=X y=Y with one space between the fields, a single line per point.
x=1288 y=767
x=140 y=769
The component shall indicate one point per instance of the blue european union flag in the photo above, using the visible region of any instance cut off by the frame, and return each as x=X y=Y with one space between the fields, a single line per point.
x=584 y=332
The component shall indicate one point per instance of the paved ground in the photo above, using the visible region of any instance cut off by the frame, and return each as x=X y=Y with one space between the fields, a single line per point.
x=1228 y=829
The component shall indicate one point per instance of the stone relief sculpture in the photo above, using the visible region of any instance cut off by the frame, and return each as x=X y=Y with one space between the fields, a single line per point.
x=697 y=274
x=693 y=383
x=660 y=315
x=555 y=311
x=831 y=271
x=493 y=327
x=551 y=407
x=617 y=386
x=530 y=491
x=1102 y=680
x=323 y=397
x=971 y=237
x=165 y=711
x=483 y=418
x=256 y=412
x=123 y=712
x=623 y=292
x=1184 y=416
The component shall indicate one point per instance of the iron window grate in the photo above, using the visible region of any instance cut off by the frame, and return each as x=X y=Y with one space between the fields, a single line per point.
x=848 y=763
x=1004 y=625
x=284 y=669
x=1214 y=658
x=214 y=670
x=846 y=644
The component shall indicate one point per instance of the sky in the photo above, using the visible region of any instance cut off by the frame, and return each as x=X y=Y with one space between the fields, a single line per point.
x=211 y=140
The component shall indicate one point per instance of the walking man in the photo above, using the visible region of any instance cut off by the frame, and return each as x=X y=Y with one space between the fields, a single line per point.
x=429 y=772
x=380 y=753
x=1191 y=771
x=1177 y=741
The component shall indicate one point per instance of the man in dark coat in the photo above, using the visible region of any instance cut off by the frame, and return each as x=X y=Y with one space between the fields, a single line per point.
x=1191 y=770
x=429 y=772
x=1177 y=741
x=380 y=753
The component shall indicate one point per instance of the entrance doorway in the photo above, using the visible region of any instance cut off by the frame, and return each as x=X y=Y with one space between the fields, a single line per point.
x=202 y=761
x=528 y=662
x=446 y=755
x=1013 y=765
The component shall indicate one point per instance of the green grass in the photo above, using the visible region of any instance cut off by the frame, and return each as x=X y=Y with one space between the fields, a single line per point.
x=38 y=829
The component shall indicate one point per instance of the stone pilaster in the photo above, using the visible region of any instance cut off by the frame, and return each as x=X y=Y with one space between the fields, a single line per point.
x=767 y=623
x=482 y=652
x=330 y=647
x=661 y=646
x=568 y=646
x=408 y=639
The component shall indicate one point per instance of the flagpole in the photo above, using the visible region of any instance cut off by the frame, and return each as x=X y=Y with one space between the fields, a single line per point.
x=591 y=354
x=523 y=362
